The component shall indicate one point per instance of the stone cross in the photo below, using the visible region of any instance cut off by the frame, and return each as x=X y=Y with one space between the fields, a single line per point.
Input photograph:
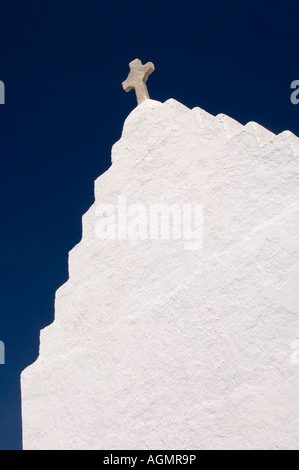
x=137 y=79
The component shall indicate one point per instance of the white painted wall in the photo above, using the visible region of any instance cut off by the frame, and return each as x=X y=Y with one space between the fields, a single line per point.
x=157 y=347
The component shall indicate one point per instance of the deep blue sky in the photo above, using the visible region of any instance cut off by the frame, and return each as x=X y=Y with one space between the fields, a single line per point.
x=63 y=62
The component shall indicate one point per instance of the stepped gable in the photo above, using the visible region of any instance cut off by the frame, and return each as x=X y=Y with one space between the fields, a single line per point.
x=155 y=346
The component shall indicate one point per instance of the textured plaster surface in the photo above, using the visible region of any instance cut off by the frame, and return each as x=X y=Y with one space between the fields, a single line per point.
x=156 y=347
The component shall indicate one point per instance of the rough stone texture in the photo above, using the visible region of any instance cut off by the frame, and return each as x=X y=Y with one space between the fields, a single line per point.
x=137 y=79
x=156 y=347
